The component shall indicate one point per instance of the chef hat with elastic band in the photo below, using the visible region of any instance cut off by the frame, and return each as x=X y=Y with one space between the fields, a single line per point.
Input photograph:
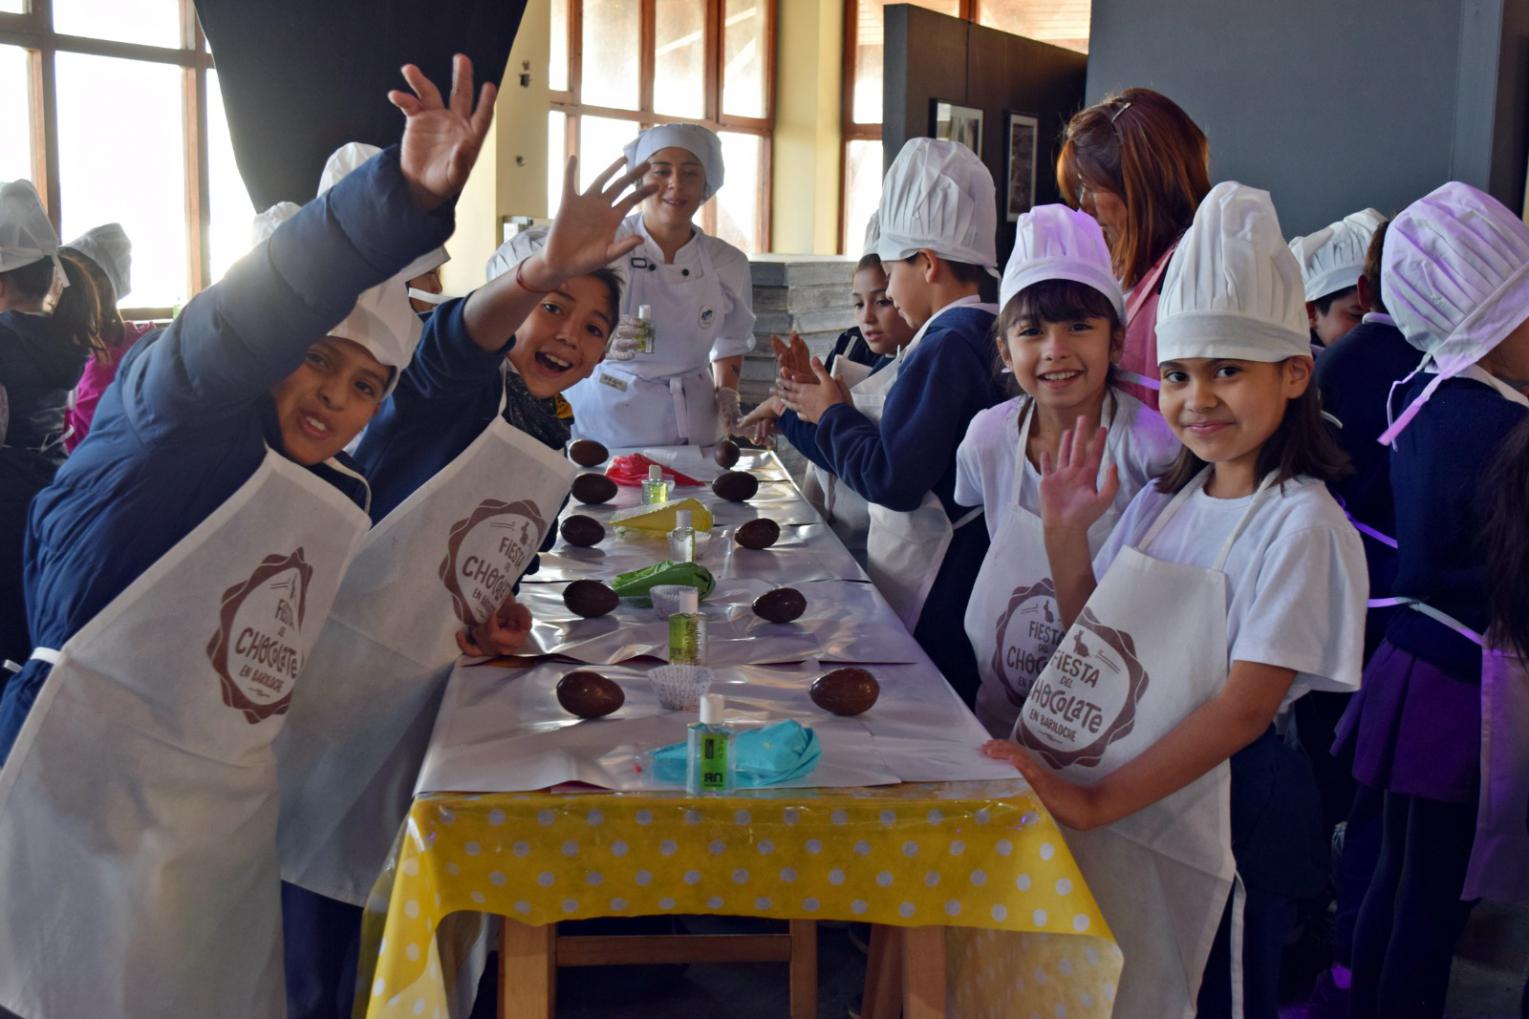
x=26 y=234
x=527 y=243
x=1455 y=272
x=1232 y=288
x=1053 y=242
x=351 y=156
x=938 y=195
x=109 y=248
x=693 y=138
x=1332 y=259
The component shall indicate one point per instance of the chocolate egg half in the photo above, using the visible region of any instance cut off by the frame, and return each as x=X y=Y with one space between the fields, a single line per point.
x=736 y=486
x=780 y=605
x=589 y=598
x=847 y=691
x=582 y=531
x=727 y=453
x=588 y=453
x=589 y=694
x=761 y=533
x=593 y=489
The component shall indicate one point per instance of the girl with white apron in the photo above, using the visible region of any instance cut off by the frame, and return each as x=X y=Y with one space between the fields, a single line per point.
x=1012 y=618
x=699 y=300
x=1167 y=677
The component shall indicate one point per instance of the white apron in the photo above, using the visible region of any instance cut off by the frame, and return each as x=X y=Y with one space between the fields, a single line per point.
x=1012 y=618
x=904 y=549
x=1497 y=869
x=629 y=403
x=443 y=559
x=1149 y=648
x=846 y=510
x=138 y=872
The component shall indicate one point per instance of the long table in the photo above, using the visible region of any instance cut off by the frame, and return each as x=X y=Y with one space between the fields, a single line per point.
x=527 y=813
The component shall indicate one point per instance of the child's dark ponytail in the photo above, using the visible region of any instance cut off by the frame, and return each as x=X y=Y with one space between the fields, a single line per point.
x=1506 y=537
x=76 y=318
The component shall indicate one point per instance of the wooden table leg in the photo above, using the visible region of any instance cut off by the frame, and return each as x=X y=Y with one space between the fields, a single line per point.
x=923 y=973
x=527 y=970
x=883 y=997
x=804 y=969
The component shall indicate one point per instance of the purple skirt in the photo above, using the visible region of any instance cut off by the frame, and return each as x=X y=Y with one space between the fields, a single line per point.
x=1414 y=728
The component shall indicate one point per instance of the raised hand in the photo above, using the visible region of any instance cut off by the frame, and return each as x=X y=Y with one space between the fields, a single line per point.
x=441 y=140
x=582 y=236
x=1072 y=497
x=811 y=400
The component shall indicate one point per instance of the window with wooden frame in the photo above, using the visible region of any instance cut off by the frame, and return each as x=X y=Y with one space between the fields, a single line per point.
x=1060 y=22
x=112 y=109
x=618 y=66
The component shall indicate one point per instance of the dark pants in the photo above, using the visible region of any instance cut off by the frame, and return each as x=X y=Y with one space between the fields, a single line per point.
x=321 y=939
x=1412 y=915
x=1266 y=919
x=1356 y=868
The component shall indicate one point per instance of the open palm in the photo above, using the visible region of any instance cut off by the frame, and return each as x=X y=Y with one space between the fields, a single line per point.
x=580 y=240
x=441 y=139
x=1072 y=495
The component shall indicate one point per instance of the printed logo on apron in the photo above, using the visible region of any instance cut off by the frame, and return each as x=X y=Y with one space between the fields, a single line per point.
x=1087 y=699
x=1027 y=632
x=707 y=315
x=487 y=552
x=257 y=651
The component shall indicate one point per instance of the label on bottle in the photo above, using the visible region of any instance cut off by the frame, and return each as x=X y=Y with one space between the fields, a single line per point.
x=684 y=639
x=713 y=770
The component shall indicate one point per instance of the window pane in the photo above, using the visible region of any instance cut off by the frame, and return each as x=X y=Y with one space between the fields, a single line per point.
x=679 y=67
x=862 y=190
x=738 y=201
x=557 y=158
x=15 y=114
x=601 y=140
x=609 y=55
x=557 y=59
x=743 y=70
x=151 y=22
x=146 y=194
x=13 y=6
x=1060 y=22
x=869 y=50
x=232 y=210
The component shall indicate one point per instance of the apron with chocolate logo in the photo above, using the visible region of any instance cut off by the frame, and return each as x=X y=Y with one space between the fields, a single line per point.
x=1012 y=618
x=444 y=559
x=846 y=511
x=138 y=870
x=1149 y=648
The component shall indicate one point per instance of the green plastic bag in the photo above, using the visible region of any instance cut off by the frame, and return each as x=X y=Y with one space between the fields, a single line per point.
x=637 y=583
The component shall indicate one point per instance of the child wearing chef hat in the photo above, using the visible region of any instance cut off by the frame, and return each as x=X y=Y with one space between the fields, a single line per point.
x=1229 y=588
x=1456 y=278
x=1332 y=260
x=895 y=443
x=1060 y=333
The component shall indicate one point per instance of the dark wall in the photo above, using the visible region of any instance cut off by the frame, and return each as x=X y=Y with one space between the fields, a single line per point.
x=931 y=56
x=1334 y=105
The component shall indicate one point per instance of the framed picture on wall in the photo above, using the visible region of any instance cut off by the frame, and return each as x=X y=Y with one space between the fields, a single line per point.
x=1023 y=140
x=958 y=123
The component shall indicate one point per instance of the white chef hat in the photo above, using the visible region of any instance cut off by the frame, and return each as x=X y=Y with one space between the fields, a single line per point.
x=1232 y=288
x=1053 y=242
x=872 y=234
x=1455 y=272
x=1332 y=259
x=26 y=234
x=938 y=195
x=351 y=156
x=700 y=142
x=109 y=248
x=525 y=244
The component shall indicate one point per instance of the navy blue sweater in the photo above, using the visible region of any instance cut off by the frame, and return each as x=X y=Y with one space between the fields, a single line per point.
x=1437 y=472
x=37 y=372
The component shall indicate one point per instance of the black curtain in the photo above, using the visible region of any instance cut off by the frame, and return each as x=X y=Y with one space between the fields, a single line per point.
x=300 y=78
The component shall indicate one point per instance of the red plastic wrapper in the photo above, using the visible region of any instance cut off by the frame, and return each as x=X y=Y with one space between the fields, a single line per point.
x=631 y=470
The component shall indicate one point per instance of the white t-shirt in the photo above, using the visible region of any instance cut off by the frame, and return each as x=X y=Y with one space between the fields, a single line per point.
x=1140 y=444
x=1296 y=578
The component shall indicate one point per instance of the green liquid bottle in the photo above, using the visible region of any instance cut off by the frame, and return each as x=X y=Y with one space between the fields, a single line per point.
x=710 y=765
x=687 y=631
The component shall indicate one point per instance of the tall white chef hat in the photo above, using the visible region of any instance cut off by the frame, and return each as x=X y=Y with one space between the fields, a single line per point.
x=525 y=244
x=872 y=234
x=700 y=142
x=1332 y=259
x=938 y=195
x=1232 y=288
x=26 y=234
x=1053 y=242
x=351 y=156
x=109 y=248
x=1455 y=272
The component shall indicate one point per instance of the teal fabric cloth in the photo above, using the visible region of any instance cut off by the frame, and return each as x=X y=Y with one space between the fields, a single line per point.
x=782 y=752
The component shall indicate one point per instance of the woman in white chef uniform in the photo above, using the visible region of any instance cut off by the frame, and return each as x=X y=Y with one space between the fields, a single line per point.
x=698 y=289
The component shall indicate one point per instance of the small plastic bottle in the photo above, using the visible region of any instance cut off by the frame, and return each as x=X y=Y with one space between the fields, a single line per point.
x=645 y=336
x=682 y=539
x=710 y=765
x=687 y=631
x=656 y=488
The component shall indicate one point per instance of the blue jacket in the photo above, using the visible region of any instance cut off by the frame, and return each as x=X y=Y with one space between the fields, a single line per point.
x=189 y=416
x=37 y=372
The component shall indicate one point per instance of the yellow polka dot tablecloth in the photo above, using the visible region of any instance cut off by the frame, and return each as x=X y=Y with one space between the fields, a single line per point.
x=983 y=859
